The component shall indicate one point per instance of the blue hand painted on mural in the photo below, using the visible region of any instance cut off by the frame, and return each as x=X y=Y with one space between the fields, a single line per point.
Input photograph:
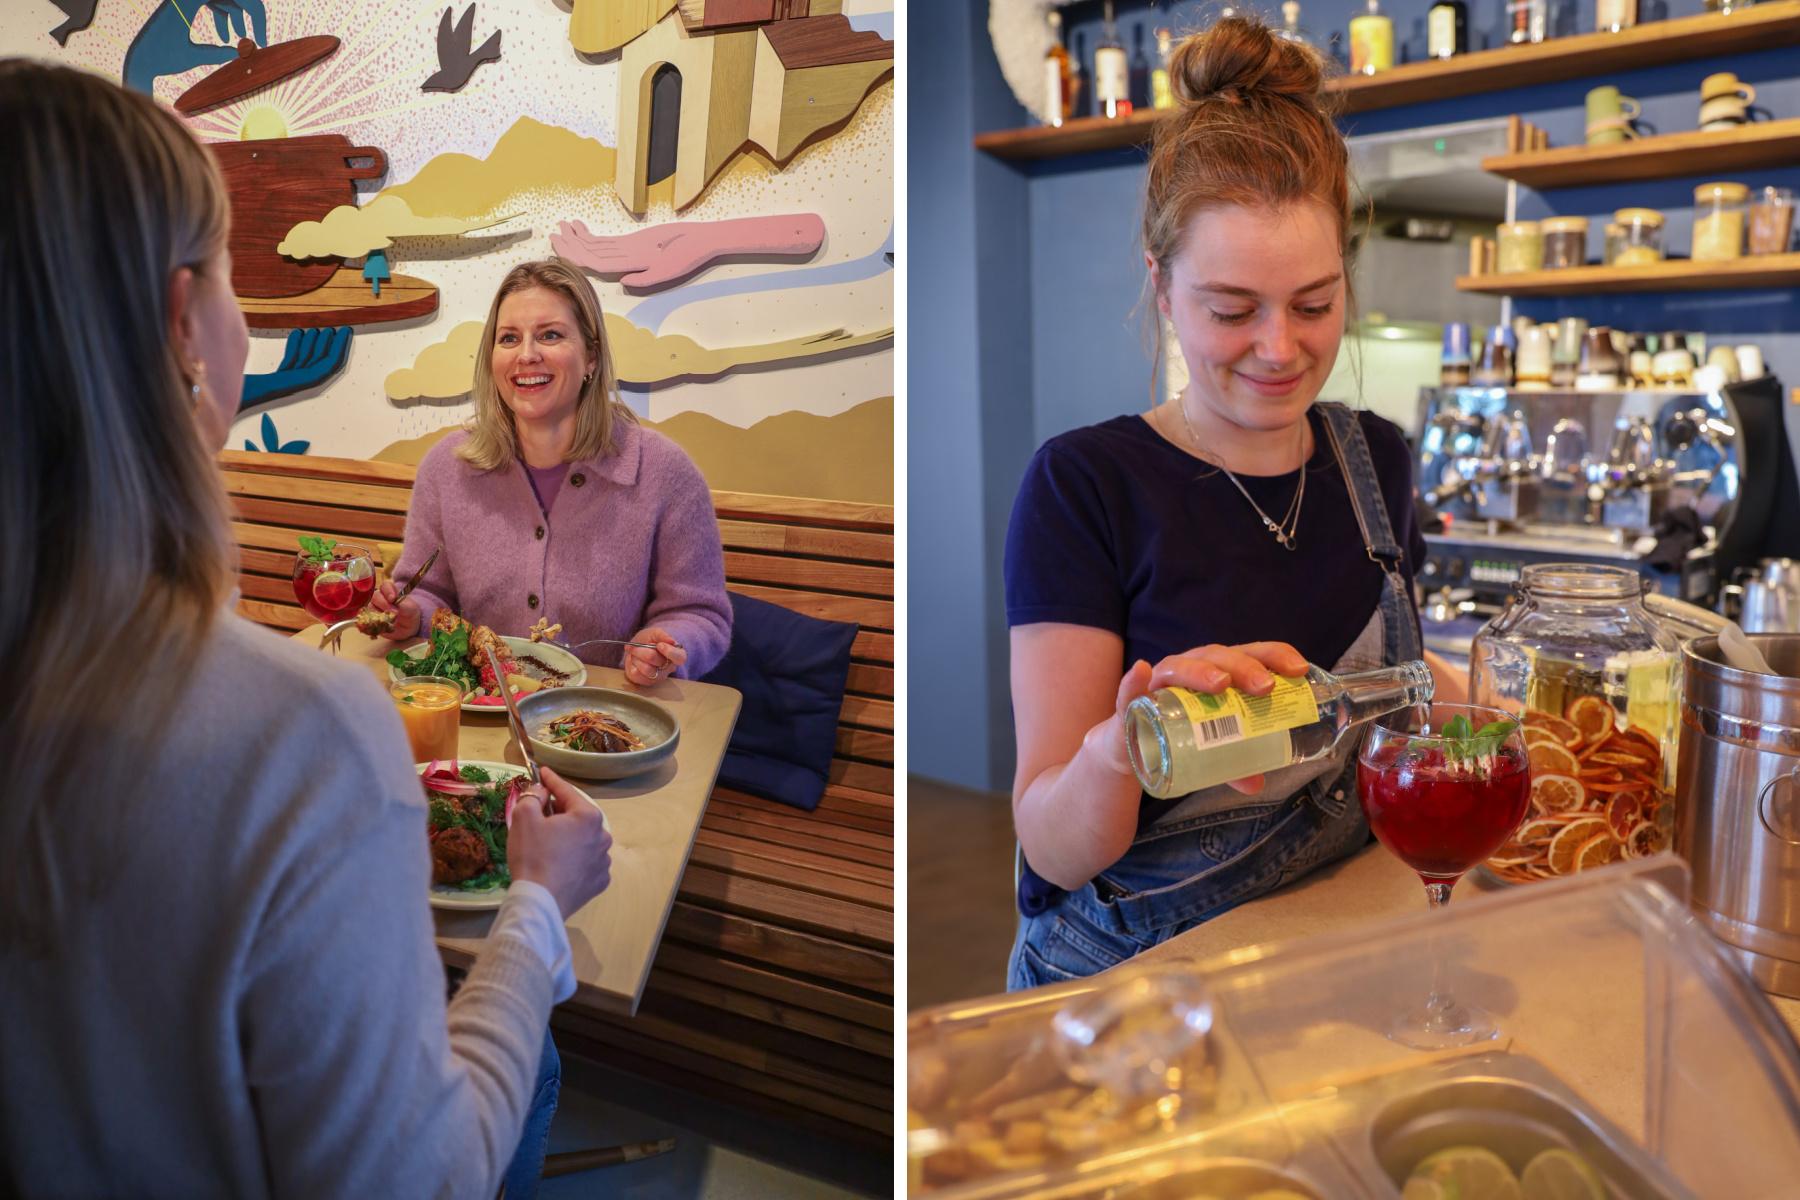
x=272 y=443
x=165 y=46
x=312 y=357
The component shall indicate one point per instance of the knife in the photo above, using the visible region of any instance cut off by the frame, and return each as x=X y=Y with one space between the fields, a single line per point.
x=517 y=724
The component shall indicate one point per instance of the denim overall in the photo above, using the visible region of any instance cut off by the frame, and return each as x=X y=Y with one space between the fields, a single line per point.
x=1217 y=848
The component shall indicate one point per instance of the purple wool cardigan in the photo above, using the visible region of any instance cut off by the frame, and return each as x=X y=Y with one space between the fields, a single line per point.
x=630 y=542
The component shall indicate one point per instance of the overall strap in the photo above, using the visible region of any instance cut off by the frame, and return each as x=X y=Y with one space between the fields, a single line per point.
x=1400 y=618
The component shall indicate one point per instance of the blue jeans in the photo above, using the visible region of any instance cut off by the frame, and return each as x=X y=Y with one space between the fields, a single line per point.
x=521 y=1179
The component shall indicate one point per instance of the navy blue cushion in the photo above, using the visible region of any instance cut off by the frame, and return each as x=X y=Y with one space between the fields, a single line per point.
x=791 y=669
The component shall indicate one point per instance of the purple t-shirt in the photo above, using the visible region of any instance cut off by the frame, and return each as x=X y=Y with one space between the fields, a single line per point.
x=1117 y=528
x=545 y=482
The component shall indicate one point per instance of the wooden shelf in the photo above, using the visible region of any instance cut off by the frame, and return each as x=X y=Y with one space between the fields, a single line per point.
x=1725 y=152
x=1678 y=275
x=1760 y=27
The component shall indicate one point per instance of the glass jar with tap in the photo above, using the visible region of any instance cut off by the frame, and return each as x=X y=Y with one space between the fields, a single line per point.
x=1593 y=677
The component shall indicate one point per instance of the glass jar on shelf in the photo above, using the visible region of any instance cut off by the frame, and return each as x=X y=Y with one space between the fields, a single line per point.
x=1594 y=679
x=1772 y=220
x=1719 y=221
x=1565 y=242
x=1640 y=237
x=1521 y=247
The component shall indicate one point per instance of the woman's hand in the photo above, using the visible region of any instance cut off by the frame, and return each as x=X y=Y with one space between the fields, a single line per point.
x=407 y=615
x=645 y=667
x=1251 y=668
x=567 y=850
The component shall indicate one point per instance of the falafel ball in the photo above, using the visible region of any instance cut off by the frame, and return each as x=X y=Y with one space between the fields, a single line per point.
x=457 y=854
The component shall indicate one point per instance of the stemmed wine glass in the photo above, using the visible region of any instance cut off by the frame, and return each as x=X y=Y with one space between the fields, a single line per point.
x=1444 y=786
x=332 y=579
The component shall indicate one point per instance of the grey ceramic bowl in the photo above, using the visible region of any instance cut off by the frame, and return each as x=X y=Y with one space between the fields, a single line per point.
x=649 y=720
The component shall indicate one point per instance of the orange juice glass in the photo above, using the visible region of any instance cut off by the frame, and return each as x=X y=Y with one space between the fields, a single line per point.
x=431 y=709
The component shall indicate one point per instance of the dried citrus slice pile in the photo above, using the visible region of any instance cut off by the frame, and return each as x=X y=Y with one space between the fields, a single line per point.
x=1596 y=794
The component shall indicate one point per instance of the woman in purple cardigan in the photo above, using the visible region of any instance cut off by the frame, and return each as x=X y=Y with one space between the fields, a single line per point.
x=556 y=505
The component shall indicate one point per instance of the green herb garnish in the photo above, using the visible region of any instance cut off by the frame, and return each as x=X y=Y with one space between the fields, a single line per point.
x=1464 y=743
x=448 y=656
x=318 y=550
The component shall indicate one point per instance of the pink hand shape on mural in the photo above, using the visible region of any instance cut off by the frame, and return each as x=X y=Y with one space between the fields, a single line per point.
x=665 y=254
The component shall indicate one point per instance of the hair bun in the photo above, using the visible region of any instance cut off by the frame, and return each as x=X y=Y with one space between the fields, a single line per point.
x=1237 y=59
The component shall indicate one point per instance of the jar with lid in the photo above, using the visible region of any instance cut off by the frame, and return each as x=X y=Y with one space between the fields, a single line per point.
x=1719 y=221
x=1594 y=678
x=1640 y=237
x=1521 y=247
x=1772 y=220
x=1565 y=242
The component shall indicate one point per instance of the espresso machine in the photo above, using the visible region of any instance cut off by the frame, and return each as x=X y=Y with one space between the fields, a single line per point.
x=1676 y=486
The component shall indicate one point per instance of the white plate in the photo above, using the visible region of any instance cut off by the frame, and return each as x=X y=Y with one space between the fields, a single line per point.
x=445 y=895
x=556 y=656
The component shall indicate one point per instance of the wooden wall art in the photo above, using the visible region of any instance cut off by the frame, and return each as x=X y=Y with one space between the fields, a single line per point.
x=456 y=62
x=662 y=255
x=80 y=14
x=163 y=45
x=254 y=69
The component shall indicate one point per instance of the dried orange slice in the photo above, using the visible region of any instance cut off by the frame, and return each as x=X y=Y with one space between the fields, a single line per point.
x=1556 y=793
x=1592 y=715
x=1645 y=839
x=1566 y=733
x=1567 y=847
x=1539 y=830
x=1552 y=758
x=1623 y=812
x=1598 y=851
x=1616 y=758
x=1538 y=737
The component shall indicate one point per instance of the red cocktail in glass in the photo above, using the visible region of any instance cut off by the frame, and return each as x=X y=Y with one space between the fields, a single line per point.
x=334 y=584
x=1443 y=788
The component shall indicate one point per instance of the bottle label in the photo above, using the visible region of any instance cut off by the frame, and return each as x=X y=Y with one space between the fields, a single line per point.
x=1441 y=32
x=1232 y=716
x=1112 y=74
x=1371 y=45
x=1053 y=92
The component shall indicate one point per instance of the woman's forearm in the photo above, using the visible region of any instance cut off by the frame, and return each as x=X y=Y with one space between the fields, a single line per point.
x=1077 y=818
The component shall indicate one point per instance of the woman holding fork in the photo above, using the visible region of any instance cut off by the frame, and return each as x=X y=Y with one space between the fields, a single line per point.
x=555 y=505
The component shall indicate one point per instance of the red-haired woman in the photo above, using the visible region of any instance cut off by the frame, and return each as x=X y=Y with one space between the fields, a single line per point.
x=1237 y=529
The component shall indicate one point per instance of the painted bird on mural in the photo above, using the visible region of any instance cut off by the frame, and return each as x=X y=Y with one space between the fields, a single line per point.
x=455 y=62
x=80 y=14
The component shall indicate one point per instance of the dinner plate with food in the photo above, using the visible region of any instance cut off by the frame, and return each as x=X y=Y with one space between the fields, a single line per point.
x=468 y=803
x=457 y=650
x=598 y=733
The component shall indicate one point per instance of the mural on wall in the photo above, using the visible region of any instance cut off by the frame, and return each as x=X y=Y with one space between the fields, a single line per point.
x=721 y=169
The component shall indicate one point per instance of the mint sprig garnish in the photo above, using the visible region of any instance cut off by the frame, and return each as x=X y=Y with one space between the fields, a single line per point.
x=1463 y=743
x=317 y=549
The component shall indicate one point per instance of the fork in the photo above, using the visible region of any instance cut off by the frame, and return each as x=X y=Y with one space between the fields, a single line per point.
x=334 y=636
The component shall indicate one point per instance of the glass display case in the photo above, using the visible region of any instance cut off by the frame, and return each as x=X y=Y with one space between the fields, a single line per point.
x=1634 y=1060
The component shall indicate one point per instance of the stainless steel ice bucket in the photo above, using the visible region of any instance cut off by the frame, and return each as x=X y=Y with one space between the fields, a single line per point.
x=1737 y=812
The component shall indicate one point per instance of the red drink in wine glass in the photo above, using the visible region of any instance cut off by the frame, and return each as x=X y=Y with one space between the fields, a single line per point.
x=333 y=583
x=1443 y=788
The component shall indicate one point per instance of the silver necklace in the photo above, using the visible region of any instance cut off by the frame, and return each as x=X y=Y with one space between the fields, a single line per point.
x=1289 y=525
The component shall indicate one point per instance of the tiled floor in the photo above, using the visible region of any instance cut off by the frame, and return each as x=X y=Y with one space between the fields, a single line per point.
x=721 y=1153
x=959 y=909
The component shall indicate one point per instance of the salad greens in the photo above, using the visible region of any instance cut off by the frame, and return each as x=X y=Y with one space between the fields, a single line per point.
x=318 y=550
x=448 y=656
x=485 y=814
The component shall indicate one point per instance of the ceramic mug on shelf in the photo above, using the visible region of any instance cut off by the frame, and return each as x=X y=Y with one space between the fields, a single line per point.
x=1610 y=116
x=1724 y=101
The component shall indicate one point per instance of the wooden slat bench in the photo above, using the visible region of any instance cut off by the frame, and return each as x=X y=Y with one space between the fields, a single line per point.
x=774 y=984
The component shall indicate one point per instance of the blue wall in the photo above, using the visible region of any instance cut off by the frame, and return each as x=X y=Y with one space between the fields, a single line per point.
x=1025 y=285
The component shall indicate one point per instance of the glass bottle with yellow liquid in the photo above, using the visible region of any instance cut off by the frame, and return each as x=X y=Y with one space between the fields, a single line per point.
x=1181 y=741
x=1371 y=41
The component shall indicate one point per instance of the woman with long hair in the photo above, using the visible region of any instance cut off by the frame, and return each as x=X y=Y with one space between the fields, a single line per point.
x=1238 y=529
x=216 y=955
x=556 y=506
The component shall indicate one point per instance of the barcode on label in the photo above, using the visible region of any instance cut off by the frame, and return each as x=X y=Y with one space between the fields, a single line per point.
x=1219 y=729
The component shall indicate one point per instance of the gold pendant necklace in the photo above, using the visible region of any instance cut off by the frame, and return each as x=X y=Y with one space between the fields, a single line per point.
x=1289 y=525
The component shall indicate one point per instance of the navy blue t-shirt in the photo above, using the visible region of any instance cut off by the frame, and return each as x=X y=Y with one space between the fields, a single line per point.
x=1117 y=528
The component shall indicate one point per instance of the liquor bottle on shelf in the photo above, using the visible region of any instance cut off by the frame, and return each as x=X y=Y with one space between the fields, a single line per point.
x=1290 y=24
x=1447 y=29
x=1530 y=20
x=1180 y=741
x=1161 y=94
x=1079 y=91
x=1613 y=16
x=1140 y=70
x=1371 y=41
x=1112 y=72
x=1057 y=75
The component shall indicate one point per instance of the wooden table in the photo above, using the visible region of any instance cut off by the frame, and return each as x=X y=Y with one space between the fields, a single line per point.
x=653 y=817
